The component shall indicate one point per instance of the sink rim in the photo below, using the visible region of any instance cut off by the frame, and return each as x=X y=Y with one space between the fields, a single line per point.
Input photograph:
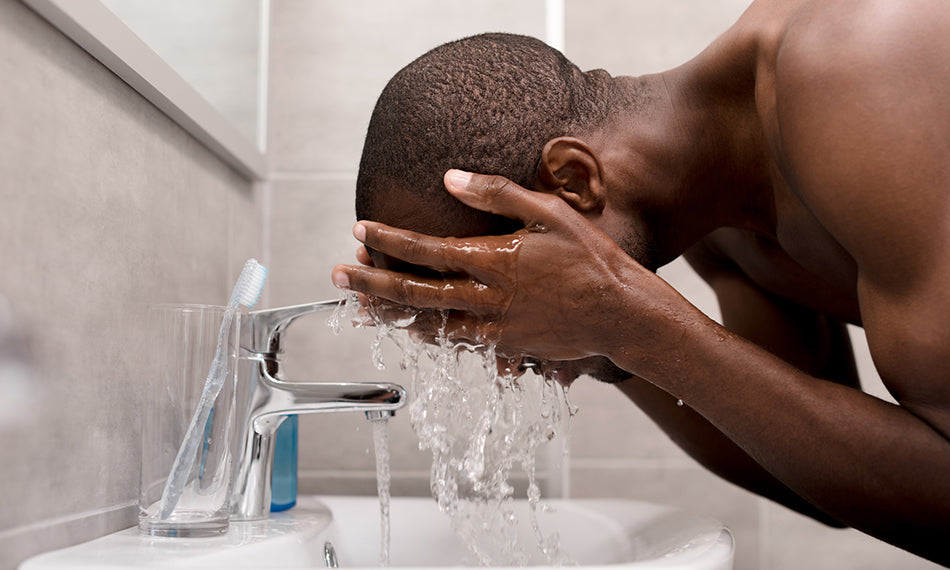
x=295 y=531
x=716 y=549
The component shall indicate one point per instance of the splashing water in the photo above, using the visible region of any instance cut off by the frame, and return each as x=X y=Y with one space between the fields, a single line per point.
x=480 y=426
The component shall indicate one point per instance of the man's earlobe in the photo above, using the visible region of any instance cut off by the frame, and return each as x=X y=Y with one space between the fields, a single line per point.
x=571 y=170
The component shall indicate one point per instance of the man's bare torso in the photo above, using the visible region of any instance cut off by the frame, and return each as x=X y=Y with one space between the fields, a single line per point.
x=799 y=259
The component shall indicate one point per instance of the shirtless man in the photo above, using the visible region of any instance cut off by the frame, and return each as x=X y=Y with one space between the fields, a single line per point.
x=801 y=163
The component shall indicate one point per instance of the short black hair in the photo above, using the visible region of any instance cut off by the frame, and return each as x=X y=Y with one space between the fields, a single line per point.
x=487 y=104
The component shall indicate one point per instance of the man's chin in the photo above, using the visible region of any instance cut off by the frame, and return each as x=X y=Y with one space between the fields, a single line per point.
x=599 y=368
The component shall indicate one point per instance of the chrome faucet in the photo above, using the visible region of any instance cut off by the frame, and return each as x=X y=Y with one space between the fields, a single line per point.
x=270 y=399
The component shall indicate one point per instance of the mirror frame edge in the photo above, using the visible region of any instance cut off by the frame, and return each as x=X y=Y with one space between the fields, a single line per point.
x=104 y=36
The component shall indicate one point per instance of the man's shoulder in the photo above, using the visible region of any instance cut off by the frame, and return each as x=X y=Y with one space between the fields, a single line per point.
x=875 y=39
x=862 y=118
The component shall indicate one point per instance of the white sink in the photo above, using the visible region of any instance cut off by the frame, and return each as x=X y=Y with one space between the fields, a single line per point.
x=593 y=533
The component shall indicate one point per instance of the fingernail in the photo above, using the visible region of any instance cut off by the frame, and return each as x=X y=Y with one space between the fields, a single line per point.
x=340 y=279
x=458 y=178
x=359 y=232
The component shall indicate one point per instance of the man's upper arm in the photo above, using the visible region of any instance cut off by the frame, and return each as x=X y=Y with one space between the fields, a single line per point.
x=863 y=113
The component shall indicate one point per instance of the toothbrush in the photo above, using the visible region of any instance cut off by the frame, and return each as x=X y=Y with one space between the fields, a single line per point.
x=246 y=292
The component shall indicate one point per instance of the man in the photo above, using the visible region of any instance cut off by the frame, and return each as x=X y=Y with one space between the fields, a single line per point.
x=801 y=163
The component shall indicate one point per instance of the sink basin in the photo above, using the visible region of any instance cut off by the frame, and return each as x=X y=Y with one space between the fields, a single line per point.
x=593 y=533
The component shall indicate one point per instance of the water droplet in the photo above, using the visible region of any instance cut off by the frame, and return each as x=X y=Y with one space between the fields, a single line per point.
x=679 y=402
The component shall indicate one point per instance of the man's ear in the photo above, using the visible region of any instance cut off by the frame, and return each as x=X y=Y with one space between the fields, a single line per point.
x=571 y=170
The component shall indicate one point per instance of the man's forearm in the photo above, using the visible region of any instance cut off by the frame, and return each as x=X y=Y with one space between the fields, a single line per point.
x=707 y=445
x=868 y=463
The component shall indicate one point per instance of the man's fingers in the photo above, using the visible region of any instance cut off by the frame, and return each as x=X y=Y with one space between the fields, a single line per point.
x=362 y=255
x=456 y=326
x=451 y=293
x=498 y=195
x=477 y=256
x=428 y=326
x=412 y=247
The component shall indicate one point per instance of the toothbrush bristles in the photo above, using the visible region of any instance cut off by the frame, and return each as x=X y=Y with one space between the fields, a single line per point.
x=248 y=288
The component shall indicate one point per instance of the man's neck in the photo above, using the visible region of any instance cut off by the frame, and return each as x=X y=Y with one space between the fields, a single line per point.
x=696 y=157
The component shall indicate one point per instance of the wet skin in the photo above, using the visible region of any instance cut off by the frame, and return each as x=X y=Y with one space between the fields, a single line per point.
x=801 y=163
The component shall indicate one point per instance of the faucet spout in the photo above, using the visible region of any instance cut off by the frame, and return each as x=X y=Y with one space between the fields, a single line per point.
x=271 y=399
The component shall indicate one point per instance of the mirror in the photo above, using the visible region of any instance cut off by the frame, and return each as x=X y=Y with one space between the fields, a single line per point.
x=202 y=63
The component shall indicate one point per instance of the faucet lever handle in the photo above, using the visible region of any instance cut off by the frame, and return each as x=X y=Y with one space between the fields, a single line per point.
x=262 y=333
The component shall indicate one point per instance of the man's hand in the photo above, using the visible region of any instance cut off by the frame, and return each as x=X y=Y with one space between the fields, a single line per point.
x=550 y=290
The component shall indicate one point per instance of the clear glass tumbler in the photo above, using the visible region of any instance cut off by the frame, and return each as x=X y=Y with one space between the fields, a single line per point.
x=182 y=347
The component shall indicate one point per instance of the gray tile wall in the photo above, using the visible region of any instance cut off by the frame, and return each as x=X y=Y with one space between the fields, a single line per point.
x=329 y=61
x=107 y=205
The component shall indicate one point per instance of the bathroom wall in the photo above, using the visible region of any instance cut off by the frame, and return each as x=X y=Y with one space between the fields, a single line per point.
x=329 y=61
x=106 y=206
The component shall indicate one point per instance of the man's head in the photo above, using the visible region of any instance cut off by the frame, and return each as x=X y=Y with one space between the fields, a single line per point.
x=493 y=104
x=487 y=104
